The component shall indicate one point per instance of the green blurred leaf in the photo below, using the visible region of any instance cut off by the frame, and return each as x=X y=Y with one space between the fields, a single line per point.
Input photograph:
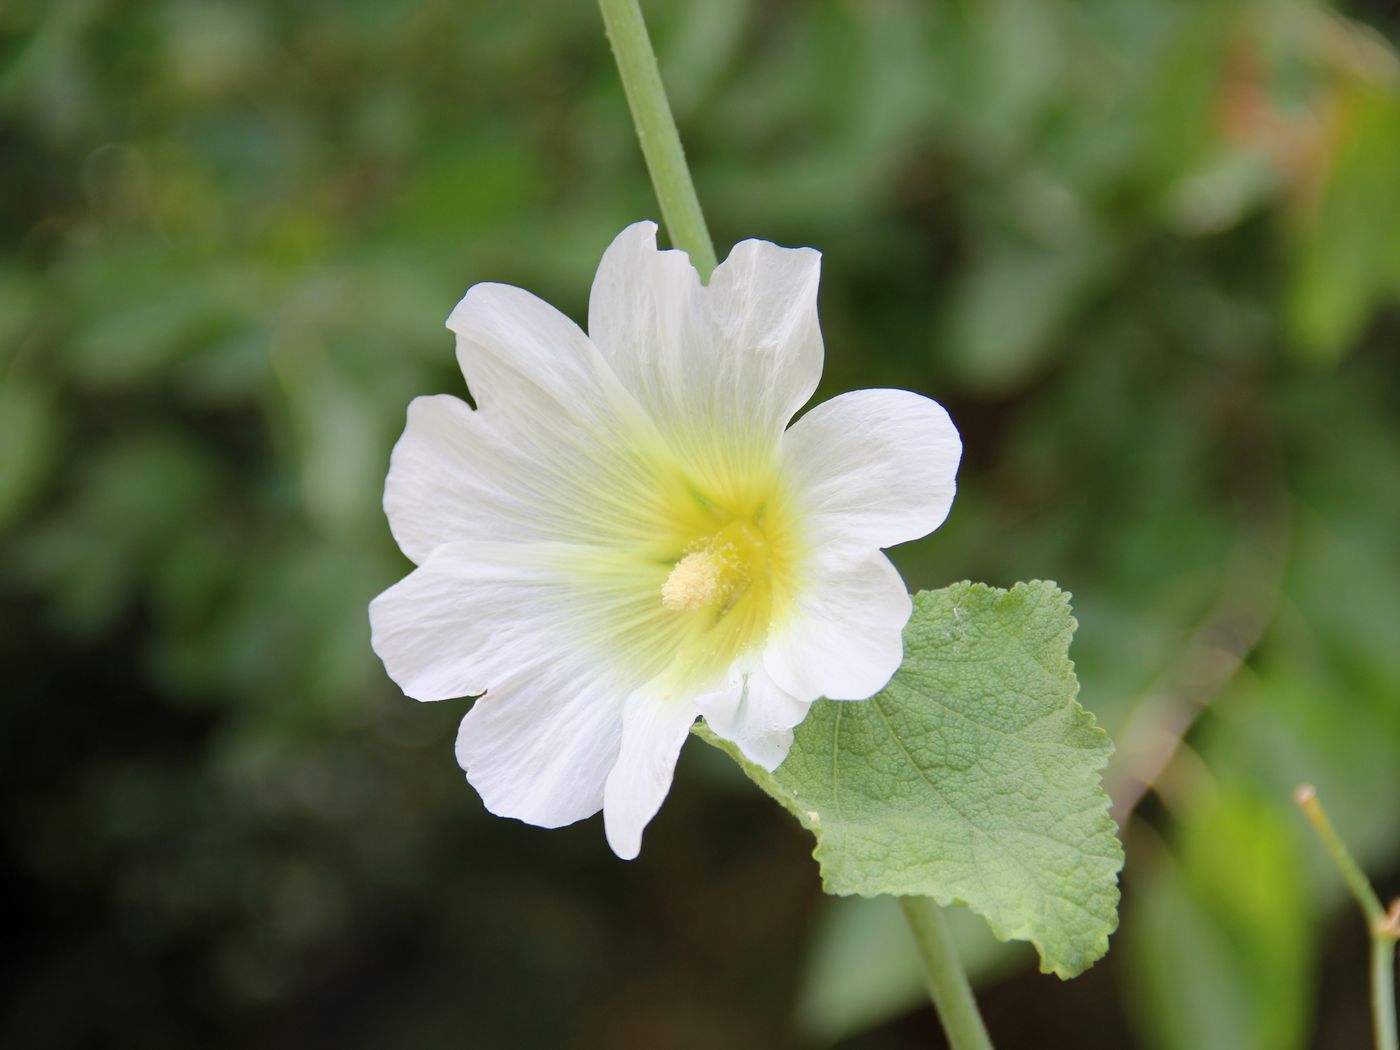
x=973 y=777
x=28 y=432
x=992 y=347
x=1347 y=252
x=1221 y=946
x=863 y=968
x=138 y=494
x=145 y=309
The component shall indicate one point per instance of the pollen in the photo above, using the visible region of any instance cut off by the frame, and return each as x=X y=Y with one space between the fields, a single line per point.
x=718 y=570
x=698 y=580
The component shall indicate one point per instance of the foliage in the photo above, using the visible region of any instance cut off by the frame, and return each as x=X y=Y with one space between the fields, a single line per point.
x=971 y=778
x=1236 y=901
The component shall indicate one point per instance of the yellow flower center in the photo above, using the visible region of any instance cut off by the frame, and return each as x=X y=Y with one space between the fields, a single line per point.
x=716 y=570
x=725 y=590
x=696 y=581
x=704 y=565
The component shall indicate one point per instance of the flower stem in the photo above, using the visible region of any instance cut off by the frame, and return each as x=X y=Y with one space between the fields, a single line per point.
x=656 y=128
x=1383 y=928
x=947 y=983
x=1383 y=990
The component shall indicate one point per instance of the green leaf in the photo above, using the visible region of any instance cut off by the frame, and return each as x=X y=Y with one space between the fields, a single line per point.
x=28 y=434
x=1222 y=947
x=973 y=777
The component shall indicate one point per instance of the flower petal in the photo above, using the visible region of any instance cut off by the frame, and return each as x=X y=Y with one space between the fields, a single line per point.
x=557 y=451
x=516 y=349
x=469 y=616
x=844 y=638
x=757 y=715
x=653 y=729
x=506 y=620
x=555 y=409
x=873 y=468
x=451 y=478
x=540 y=749
x=740 y=356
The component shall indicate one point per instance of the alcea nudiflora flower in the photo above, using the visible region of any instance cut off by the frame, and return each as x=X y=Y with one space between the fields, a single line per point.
x=626 y=534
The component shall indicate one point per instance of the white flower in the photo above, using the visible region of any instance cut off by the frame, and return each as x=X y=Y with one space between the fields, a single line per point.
x=625 y=533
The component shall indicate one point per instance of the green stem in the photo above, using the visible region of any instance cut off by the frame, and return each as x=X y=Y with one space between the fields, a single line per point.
x=1355 y=878
x=656 y=128
x=1380 y=926
x=1383 y=990
x=947 y=983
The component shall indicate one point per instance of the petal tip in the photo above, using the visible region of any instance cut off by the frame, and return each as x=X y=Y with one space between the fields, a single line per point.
x=626 y=844
x=642 y=229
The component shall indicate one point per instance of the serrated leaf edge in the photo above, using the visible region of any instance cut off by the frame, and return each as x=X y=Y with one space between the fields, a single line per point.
x=1083 y=719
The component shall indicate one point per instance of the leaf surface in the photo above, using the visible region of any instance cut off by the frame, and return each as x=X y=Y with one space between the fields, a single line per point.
x=972 y=777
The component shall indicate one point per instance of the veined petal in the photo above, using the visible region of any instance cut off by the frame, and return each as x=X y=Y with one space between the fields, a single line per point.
x=843 y=639
x=476 y=614
x=640 y=314
x=755 y=713
x=514 y=348
x=762 y=301
x=453 y=477
x=872 y=468
x=556 y=636
x=559 y=425
x=458 y=474
x=549 y=648
x=433 y=493
x=558 y=450
x=539 y=748
x=721 y=369
x=469 y=616
x=653 y=729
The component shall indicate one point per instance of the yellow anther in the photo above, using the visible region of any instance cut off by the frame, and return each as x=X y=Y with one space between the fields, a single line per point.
x=716 y=571
x=697 y=580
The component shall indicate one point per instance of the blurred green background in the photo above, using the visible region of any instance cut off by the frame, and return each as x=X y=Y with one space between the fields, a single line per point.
x=1146 y=251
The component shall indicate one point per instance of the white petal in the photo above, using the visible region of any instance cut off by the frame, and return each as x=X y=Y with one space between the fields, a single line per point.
x=873 y=468
x=557 y=451
x=844 y=639
x=740 y=356
x=539 y=630
x=505 y=620
x=428 y=494
x=539 y=748
x=545 y=392
x=450 y=478
x=471 y=616
x=640 y=315
x=757 y=715
x=653 y=730
x=516 y=349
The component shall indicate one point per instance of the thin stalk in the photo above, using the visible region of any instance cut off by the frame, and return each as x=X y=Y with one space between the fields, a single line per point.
x=947 y=983
x=1355 y=878
x=1383 y=929
x=656 y=129
x=1383 y=990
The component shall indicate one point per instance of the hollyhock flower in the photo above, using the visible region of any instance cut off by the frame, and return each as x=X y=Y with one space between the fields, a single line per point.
x=625 y=534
